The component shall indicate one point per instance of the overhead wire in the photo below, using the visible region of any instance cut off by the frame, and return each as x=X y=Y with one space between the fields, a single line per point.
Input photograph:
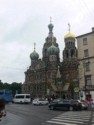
x=84 y=4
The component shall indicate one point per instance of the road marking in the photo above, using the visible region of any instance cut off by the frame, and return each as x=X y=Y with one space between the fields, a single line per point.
x=54 y=122
x=73 y=119
x=79 y=117
x=92 y=121
x=67 y=121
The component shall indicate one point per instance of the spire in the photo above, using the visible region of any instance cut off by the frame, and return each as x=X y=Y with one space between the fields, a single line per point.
x=34 y=55
x=50 y=26
x=69 y=34
x=50 y=19
x=69 y=26
x=34 y=46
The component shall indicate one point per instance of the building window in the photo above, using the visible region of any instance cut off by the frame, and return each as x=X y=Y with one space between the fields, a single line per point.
x=72 y=52
x=87 y=66
x=28 y=88
x=49 y=75
x=86 y=54
x=67 y=54
x=84 y=41
x=88 y=80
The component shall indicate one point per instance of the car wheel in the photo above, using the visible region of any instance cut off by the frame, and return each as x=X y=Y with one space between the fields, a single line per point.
x=71 y=108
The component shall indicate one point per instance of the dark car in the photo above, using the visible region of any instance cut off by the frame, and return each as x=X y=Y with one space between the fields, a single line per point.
x=77 y=105
x=65 y=104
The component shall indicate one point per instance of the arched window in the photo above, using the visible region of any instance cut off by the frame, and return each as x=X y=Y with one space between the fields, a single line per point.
x=67 y=54
x=72 y=52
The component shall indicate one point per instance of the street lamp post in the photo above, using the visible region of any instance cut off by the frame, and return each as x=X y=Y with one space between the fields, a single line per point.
x=81 y=93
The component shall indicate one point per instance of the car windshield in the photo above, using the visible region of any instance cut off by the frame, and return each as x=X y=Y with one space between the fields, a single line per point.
x=41 y=99
x=57 y=100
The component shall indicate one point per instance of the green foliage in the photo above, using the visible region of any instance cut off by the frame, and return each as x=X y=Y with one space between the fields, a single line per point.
x=14 y=87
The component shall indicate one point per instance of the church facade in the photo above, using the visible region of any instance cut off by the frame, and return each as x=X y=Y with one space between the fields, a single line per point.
x=49 y=76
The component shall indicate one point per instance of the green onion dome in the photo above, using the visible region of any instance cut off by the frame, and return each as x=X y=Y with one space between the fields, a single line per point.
x=50 y=26
x=34 y=55
x=53 y=50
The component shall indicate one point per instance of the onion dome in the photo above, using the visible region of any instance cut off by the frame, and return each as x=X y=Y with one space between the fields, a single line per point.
x=69 y=35
x=34 y=55
x=50 y=26
x=53 y=50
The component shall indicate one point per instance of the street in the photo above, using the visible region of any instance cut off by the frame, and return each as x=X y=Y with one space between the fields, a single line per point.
x=27 y=114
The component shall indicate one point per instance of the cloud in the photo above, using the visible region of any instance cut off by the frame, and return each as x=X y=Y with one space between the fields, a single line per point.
x=23 y=22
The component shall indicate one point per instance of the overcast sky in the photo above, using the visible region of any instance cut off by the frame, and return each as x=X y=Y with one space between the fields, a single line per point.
x=23 y=22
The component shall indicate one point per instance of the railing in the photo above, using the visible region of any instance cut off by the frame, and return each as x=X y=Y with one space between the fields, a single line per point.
x=88 y=87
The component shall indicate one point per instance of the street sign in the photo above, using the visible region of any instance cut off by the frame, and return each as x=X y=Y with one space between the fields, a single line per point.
x=76 y=89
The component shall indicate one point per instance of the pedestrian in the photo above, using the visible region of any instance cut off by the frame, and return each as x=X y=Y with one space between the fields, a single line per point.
x=2 y=108
x=49 y=100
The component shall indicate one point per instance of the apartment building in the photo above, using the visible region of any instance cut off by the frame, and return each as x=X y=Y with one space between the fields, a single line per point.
x=85 y=45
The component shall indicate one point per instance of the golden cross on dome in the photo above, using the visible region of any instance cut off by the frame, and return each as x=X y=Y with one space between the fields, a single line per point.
x=50 y=19
x=34 y=46
x=69 y=26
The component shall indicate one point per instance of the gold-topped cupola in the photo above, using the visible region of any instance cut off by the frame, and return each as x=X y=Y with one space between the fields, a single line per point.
x=69 y=34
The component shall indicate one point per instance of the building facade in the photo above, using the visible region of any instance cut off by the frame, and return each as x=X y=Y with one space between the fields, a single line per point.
x=48 y=76
x=85 y=44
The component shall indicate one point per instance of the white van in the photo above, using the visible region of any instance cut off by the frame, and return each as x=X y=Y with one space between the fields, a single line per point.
x=22 y=98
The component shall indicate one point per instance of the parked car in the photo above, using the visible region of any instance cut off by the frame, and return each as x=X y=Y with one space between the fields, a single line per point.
x=65 y=104
x=40 y=101
x=77 y=104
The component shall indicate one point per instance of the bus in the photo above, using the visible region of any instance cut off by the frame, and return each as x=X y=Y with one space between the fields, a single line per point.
x=6 y=95
x=22 y=98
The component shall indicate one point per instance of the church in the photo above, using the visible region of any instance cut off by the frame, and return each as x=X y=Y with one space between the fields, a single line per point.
x=49 y=76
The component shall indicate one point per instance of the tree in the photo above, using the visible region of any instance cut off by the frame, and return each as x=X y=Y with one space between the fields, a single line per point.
x=13 y=87
x=1 y=85
x=16 y=87
x=6 y=86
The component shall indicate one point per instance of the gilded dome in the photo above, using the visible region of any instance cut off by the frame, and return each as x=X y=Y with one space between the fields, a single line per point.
x=34 y=55
x=69 y=35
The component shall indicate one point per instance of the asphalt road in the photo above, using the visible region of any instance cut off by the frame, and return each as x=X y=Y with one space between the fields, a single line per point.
x=22 y=114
